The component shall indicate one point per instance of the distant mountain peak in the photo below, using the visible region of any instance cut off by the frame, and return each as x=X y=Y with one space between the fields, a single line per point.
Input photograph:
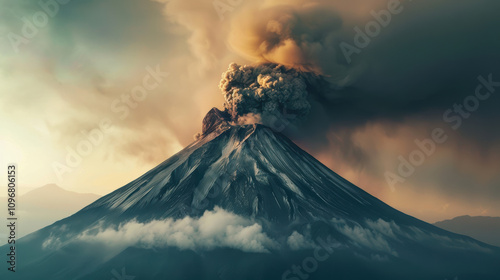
x=49 y=190
x=483 y=228
x=51 y=186
x=45 y=189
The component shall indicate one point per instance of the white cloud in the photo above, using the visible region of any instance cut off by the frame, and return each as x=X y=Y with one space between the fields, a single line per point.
x=297 y=241
x=387 y=228
x=366 y=237
x=215 y=229
x=52 y=243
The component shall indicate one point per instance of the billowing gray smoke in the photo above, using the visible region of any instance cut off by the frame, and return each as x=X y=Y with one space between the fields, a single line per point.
x=263 y=93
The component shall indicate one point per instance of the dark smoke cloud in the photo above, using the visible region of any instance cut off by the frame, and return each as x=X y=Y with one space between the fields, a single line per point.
x=419 y=64
x=264 y=92
x=417 y=68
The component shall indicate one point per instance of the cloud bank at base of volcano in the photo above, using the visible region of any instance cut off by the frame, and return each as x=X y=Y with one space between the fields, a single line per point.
x=215 y=229
x=222 y=229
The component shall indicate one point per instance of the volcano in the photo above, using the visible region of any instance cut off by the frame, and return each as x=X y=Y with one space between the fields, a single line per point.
x=245 y=202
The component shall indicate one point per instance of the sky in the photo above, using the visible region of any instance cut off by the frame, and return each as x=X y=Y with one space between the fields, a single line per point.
x=95 y=93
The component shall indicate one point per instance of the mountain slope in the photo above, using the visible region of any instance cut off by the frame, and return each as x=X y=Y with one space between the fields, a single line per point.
x=252 y=172
x=247 y=197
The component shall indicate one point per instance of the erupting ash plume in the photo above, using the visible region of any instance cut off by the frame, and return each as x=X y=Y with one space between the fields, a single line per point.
x=304 y=36
x=258 y=94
